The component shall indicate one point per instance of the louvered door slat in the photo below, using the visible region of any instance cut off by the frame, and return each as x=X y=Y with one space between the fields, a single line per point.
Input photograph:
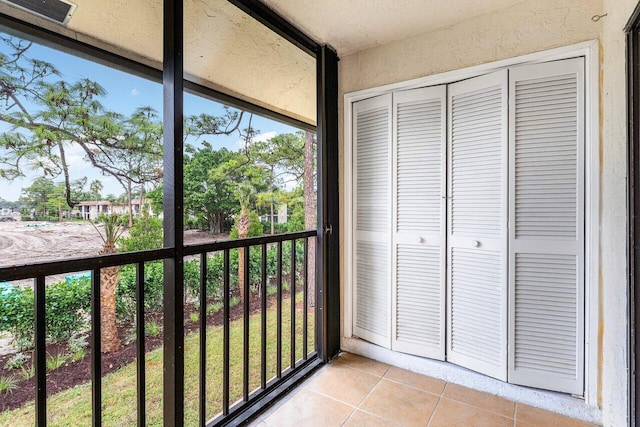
x=418 y=236
x=546 y=279
x=372 y=219
x=477 y=224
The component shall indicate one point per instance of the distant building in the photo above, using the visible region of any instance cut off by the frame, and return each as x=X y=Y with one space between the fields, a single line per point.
x=279 y=217
x=92 y=209
x=283 y=215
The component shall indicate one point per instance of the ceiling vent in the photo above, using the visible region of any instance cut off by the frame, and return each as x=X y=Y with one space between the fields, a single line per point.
x=59 y=11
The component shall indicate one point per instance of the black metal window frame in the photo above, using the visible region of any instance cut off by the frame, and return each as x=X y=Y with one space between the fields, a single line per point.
x=327 y=234
x=632 y=30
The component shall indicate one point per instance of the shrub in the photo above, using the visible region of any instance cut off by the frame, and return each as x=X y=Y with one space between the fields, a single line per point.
x=195 y=223
x=55 y=361
x=214 y=308
x=278 y=227
x=8 y=384
x=152 y=329
x=66 y=304
x=192 y=277
x=194 y=316
x=17 y=360
x=17 y=315
x=296 y=222
x=145 y=234
x=27 y=374
x=78 y=355
x=126 y=290
x=153 y=288
x=77 y=344
x=153 y=284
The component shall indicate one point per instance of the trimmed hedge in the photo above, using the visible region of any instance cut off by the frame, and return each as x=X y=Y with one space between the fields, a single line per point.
x=68 y=303
x=66 y=307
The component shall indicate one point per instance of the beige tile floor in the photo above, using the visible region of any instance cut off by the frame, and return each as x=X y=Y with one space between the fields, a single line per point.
x=355 y=391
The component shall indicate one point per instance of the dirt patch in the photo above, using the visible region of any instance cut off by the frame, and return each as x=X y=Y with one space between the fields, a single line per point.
x=23 y=242
x=72 y=374
x=29 y=242
x=32 y=242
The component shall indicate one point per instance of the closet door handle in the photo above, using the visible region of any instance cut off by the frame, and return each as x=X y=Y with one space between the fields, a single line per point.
x=475 y=243
x=419 y=239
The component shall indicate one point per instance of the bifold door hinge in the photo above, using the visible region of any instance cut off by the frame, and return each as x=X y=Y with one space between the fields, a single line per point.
x=328 y=229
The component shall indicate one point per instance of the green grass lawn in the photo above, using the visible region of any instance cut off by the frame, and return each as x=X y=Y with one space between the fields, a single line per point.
x=73 y=407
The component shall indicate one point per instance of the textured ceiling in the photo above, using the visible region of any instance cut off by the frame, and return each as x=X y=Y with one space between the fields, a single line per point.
x=224 y=49
x=227 y=50
x=353 y=25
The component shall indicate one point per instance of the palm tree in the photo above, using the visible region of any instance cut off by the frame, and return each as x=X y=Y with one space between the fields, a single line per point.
x=244 y=193
x=110 y=341
x=96 y=187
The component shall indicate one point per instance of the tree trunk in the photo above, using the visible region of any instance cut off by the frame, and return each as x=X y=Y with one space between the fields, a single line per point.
x=310 y=213
x=216 y=223
x=141 y=199
x=219 y=223
x=129 y=202
x=271 y=219
x=108 y=283
x=243 y=224
x=241 y=268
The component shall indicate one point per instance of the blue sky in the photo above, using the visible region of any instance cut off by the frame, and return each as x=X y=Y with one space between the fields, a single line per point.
x=125 y=93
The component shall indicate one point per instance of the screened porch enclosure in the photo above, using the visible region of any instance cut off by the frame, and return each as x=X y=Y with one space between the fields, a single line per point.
x=247 y=57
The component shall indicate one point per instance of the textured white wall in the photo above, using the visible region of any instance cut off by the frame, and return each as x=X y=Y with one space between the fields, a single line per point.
x=525 y=28
x=613 y=212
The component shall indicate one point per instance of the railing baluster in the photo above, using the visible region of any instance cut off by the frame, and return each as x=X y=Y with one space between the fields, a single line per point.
x=40 y=351
x=225 y=345
x=96 y=351
x=305 y=298
x=279 y=316
x=293 y=303
x=138 y=259
x=203 y=339
x=263 y=319
x=245 y=356
x=140 y=347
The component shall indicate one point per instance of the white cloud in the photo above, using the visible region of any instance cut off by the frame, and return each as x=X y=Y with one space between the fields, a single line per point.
x=259 y=138
x=76 y=157
x=135 y=92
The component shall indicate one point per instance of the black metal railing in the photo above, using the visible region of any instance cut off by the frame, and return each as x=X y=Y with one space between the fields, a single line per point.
x=230 y=410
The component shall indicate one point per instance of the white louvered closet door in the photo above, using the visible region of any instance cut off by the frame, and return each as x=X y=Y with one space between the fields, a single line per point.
x=372 y=219
x=419 y=147
x=477 y=202
x=546 y=280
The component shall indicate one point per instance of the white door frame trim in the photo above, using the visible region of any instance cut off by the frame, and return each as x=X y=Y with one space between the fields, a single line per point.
x=590 y=51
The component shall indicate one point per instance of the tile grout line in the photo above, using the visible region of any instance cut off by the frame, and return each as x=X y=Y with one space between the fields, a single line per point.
x=414 y=387
x=381 y=417
x=331 y=397
x=484 y=408
x=515 y=415
x=347 y=365
x=435 y=408
x=365 y=397
x=349 y=417
x=479 y=408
